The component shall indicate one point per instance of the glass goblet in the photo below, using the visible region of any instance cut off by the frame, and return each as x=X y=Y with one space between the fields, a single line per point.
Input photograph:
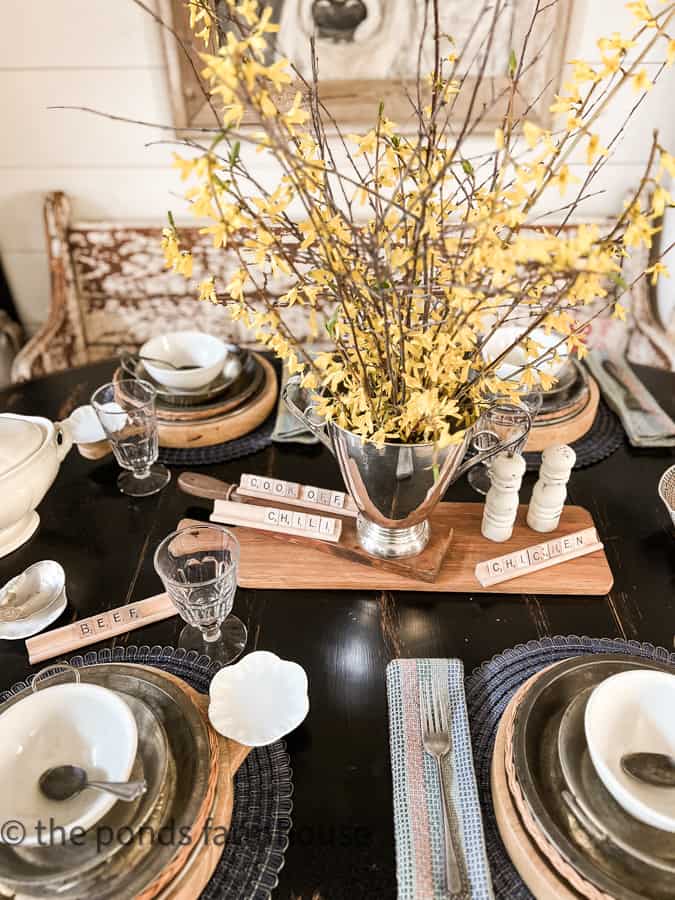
x=126 y=411
x=479 y=475
x=198 y=567
x=503 y=422
x=532 y=399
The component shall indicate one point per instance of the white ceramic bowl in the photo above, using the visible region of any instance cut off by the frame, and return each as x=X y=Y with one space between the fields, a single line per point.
x=633 y=712
x=185 y=348
x=82 y=724
x=259 y=699
x=517 y=358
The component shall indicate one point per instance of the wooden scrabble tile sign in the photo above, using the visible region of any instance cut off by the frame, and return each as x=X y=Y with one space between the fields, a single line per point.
x=539 y=556
x=262 y=486
x=301 y=523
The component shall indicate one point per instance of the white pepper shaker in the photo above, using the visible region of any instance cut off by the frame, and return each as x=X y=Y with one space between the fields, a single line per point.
x=501 y=503
x=550 y=491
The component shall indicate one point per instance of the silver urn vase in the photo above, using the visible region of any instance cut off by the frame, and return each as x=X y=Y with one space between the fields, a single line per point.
x=394 y=486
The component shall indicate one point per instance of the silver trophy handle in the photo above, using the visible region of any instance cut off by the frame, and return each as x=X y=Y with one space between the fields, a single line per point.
x=500 y=447
x=291 y=395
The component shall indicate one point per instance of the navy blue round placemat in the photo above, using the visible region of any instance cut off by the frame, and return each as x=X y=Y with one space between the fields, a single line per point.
x=489 y=688
x=204 y=456
x=605 y=435
x=261 y=819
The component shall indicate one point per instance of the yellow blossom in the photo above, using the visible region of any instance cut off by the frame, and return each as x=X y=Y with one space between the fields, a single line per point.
x=564 y=179
x=594 y=148
x=582 y=71
x=612 y=64
x=236 y=286
x=183 y=264
x=660 y=199
x=667 y=162
x=657 y=270
x=532 y=134
x=207 y=290
x=641 y=11
x=641 y=81
x=367 y=143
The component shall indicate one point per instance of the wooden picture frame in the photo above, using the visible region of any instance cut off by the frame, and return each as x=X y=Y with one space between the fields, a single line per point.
x=354 y=102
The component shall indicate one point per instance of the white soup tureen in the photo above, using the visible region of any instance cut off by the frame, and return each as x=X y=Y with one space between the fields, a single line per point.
x=31 y=451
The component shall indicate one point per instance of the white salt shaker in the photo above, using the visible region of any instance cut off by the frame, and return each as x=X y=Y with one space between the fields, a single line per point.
x=548 y=496
x=501 y=503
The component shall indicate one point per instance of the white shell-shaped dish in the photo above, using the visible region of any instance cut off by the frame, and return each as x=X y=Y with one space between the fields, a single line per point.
x=259 y=699
x=38 y=597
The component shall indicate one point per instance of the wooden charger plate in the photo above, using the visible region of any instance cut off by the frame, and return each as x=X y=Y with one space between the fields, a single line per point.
x=192 y=867
x=532 y=866
x=216 y=429
x=546 y=873
x=226 y=427
x=545 y=435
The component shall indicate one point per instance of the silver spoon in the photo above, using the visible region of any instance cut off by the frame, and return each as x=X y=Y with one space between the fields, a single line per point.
x=64 y=782
x=651 y=768
x=169 y=365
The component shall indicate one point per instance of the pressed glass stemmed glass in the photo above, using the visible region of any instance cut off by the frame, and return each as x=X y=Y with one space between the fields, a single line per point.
x=198 y=567
x=532 y=399
x=126 y=411
x=502 y=422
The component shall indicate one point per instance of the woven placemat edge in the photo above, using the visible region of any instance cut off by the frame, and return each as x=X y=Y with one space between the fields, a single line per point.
x=560 y=641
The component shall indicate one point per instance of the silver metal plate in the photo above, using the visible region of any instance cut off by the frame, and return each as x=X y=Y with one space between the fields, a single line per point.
x=540 y=776
x=133 y=867
x=220 y=392
x=572 y=388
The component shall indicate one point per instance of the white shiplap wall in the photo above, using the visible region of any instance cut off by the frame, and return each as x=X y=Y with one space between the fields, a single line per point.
x=107 y=54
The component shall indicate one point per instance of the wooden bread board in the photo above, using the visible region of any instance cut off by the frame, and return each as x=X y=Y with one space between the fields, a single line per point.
x=545 y=435
x=199 y=864
x=294 y=564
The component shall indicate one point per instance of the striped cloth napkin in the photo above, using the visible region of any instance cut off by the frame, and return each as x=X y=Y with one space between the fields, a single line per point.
x=418 y=815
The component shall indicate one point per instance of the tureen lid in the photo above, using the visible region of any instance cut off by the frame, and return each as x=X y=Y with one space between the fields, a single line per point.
x=19 y=439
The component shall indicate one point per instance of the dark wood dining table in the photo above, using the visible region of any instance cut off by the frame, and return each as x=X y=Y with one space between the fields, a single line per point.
x=342 y=841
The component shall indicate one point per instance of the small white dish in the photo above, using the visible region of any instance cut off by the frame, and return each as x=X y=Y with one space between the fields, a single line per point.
x=32 y=600
x=81 y=724
x=85 y=425
x=185 y=348
x=259 y=699
x=628 y=713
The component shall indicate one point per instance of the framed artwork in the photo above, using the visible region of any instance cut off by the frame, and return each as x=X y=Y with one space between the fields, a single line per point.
x=369 y=50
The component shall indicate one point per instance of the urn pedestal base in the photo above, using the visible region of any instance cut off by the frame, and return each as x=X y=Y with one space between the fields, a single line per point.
x=392 y=543
x=13 y=537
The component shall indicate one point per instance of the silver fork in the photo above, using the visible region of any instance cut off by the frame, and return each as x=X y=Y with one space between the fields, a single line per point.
x=436 y=742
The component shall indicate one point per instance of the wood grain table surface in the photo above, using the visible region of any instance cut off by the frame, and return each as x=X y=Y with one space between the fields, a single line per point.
x=342 y=843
